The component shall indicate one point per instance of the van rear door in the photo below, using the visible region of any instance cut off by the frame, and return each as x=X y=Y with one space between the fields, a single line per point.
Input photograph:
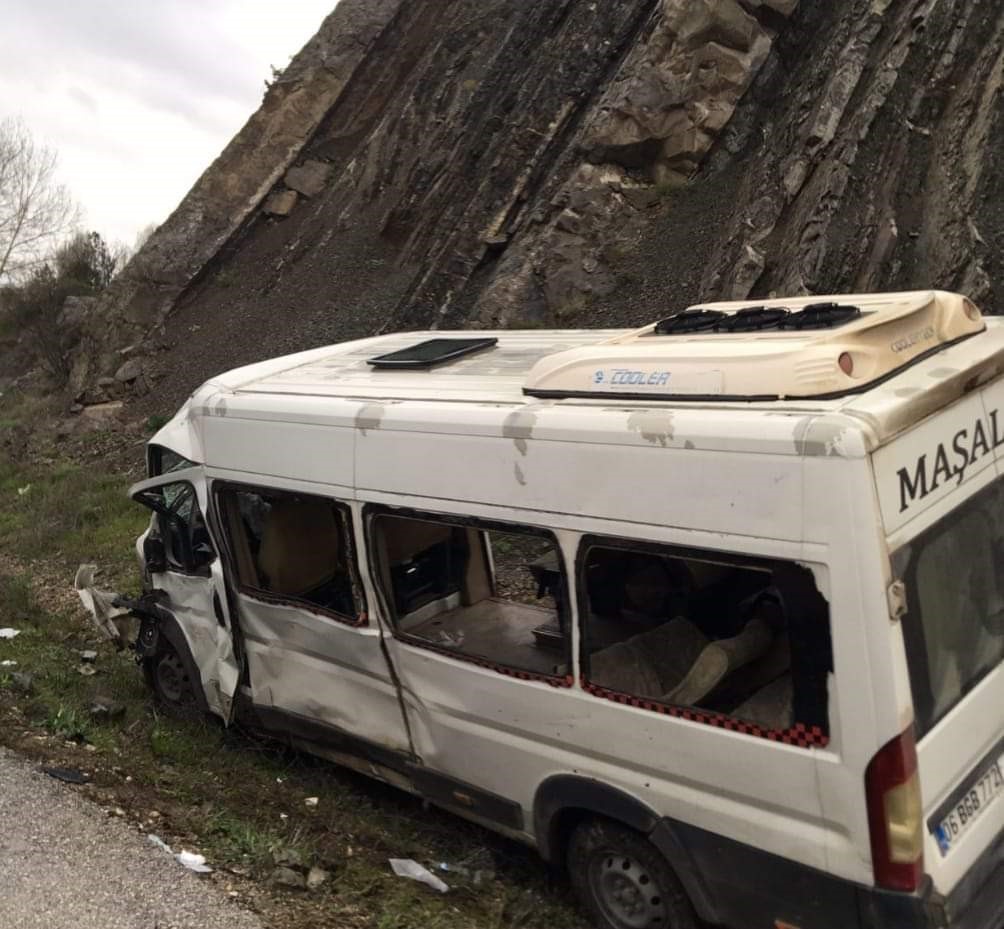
x=942 y=500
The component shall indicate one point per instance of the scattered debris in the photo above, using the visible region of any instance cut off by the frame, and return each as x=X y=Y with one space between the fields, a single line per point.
x=67 y=775
x=316 y=877
x=106 y=708
x=8 y=664
x=99 y=603
x=193 y=862
x=23 y=491
x=406 y=867
x=190 y=860
x=89 y=656
x=88 y=670
x=287 y=877
x=288 y=858
x=311 y=801
x=9 y=633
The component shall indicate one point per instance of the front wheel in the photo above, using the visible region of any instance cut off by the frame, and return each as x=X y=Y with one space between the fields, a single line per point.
x=173 y=682
x=623 y=880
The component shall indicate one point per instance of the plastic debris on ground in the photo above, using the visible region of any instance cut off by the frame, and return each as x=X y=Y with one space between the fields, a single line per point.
x=67 y=775
x=99 y=603
x=406 y=867
x=190 y=860
x=8 y=664
x=310 y=801
x=9 y=633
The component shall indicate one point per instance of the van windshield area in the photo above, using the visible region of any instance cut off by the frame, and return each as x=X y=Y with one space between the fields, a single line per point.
x=954 y=627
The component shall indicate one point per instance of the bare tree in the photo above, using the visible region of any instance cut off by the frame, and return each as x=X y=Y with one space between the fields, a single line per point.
x=35 y=211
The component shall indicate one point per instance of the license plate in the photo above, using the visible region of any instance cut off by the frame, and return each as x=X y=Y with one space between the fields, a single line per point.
x=970 y=806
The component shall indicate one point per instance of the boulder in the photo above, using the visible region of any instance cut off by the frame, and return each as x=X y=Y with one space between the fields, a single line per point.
x=129 y=371
x=281 y=203
x=308 y=178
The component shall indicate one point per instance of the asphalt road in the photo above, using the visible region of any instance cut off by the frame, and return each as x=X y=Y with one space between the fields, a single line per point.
x=65 y=865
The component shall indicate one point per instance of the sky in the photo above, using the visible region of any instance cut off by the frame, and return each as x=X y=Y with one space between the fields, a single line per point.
x=139 y=96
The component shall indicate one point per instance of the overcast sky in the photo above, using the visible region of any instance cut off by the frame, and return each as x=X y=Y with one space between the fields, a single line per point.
x=139 y=96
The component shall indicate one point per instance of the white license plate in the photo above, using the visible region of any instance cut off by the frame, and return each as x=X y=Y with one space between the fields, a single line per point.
x=969 y=807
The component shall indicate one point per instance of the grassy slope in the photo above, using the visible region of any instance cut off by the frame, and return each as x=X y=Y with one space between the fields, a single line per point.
x=238 y=801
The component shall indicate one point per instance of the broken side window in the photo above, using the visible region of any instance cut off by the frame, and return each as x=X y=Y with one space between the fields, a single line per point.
x=476 y=591
x=739 y=639
x=293 y=548
x=179 y=526
x=162 y=460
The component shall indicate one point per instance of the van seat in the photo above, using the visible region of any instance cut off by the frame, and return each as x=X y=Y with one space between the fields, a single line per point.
x=650 y=663
x=299 y=547
x=771 y=706
x=718 y=659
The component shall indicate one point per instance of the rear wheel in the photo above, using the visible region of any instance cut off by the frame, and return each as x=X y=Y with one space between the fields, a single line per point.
x=623 y=880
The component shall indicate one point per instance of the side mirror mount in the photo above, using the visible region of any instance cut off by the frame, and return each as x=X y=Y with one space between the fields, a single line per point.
x=155 y=555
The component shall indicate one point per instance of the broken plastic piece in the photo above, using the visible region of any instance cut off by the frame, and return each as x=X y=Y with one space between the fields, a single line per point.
x=8 y=664
x=67 y=775
x=311 y=801
x=193 y=862
x=99 y=603
x=9 y=633
x=190 y=860
x=406 y=867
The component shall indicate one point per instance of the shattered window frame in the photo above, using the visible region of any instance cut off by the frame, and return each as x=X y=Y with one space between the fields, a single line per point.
x=346 y=540
x=811 y=650
x=166 y=510
x=162 y=460
x=562 y=610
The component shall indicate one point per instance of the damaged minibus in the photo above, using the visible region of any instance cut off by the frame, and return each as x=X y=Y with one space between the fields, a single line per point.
x=711 y=612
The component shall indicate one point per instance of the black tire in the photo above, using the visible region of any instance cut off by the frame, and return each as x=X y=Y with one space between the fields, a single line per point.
x=175 y=682
x=623 y=881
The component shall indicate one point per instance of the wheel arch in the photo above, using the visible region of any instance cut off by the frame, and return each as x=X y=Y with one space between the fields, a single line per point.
x=170 y=631
x=565 y=800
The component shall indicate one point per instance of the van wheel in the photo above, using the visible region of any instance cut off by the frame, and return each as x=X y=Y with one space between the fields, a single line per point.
x=172 y=682
x=624 y=881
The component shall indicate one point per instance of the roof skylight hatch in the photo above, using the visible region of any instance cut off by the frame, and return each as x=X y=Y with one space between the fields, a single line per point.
x=432 y=352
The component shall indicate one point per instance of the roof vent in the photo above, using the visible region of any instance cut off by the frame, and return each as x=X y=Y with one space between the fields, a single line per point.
x=696 y=320
x=753 y=319
x=432 y=352
x=821 y=316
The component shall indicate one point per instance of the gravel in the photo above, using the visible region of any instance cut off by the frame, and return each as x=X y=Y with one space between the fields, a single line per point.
x=65 y=865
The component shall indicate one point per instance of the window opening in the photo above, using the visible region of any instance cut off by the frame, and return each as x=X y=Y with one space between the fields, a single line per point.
x=488 y=594
x=164 y=461
x=294 y=548
x=742 y=641
x=178 y=523
x=954 y=625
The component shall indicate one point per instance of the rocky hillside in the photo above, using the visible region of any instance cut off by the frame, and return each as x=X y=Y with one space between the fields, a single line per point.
x=574 y=162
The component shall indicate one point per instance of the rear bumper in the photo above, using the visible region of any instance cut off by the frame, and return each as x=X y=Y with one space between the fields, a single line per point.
x=736 y=885
x=977 y=901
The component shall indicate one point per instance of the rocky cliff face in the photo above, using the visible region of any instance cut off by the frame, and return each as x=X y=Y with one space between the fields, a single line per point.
x=577 y=162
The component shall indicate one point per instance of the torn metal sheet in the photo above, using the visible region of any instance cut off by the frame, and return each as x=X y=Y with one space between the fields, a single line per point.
x=101 y=604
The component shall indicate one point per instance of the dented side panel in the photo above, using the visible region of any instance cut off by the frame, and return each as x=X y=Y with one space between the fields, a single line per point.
x=317 y=668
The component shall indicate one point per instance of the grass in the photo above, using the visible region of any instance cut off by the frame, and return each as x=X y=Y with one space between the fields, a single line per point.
x=236 y=799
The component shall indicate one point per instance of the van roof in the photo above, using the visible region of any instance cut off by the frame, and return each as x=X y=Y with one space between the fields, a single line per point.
x=911 y=354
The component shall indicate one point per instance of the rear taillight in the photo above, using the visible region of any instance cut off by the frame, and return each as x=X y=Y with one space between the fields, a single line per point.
x=895 y=815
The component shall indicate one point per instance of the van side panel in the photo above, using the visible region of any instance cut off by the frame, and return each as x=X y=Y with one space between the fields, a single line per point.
x=646 y=483
x=869 y=704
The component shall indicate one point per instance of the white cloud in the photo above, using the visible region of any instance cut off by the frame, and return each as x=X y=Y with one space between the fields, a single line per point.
x=139 y=97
